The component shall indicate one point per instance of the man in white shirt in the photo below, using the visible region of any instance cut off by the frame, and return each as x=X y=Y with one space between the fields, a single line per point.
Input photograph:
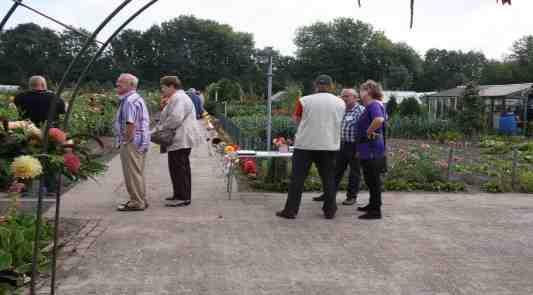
x=317 y=141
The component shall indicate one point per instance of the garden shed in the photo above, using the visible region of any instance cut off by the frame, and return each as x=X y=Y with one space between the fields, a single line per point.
x=498 y=99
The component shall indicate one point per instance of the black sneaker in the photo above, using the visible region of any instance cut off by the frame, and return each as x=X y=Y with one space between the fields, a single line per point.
x=329 y=215
x=350 y=201
x=322 y=198
x=372 y=214
x=285 y=215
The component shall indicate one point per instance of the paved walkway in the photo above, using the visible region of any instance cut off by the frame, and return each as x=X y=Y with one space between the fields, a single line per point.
x=426 y=244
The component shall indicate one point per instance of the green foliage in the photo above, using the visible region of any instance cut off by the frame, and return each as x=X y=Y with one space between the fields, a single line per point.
x=415 y=166
x=422 y=127
x=277 y=170
x=526 y=181
x=448 y=136
x=7 y=108
x=437 y=186
x=287 y=104
x=94 y=114
x=445 y=69
x=242 y=110
x=495 y=186
x=229 y=90
x=255 y=126
x=16 y=243
x=410 y=107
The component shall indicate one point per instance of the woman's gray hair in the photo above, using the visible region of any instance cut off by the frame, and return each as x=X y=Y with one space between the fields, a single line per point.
x=35 y=81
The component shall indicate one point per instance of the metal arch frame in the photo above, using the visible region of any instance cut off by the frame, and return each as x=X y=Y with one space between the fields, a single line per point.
x=53 y=111
x=18 y=3
x=96 y=56
x=51 y=115
x=10 y=12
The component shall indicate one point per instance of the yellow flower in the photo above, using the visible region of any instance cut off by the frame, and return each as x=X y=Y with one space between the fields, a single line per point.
x=26 y=167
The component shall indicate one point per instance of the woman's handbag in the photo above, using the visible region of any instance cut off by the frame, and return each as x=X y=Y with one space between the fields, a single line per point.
x=163 y=137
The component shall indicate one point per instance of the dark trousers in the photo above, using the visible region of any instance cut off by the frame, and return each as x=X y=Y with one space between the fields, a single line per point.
x=301 y=164
x=180 y=173
x=347 y=157
x=372 y=172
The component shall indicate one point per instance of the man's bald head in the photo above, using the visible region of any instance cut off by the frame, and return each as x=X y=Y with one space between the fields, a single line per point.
x=126 y=82
x=37 y=83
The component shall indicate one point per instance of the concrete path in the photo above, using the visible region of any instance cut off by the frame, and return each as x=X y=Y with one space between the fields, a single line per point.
x=426 y=244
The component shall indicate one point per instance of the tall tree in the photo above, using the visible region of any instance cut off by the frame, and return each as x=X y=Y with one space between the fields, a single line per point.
x=29 y=49
x=444 y=69
x=336 y=48
x=522 y=57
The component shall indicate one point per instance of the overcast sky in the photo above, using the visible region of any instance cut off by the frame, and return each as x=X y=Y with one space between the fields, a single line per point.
x=449 y=24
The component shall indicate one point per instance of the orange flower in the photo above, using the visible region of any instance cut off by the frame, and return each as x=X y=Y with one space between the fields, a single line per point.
x=56 y=135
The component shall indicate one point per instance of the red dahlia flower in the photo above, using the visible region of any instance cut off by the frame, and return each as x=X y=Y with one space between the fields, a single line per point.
x=250 y=167
x=72 y=163
x=56 y=135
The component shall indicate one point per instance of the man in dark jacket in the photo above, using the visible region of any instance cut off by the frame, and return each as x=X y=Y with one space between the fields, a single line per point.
x=35 y=103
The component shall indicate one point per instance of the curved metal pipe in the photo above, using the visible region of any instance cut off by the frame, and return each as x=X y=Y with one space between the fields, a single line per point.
x=61 y=86
x=9 y=13
x=70 y=28
x=51 y=114
x=96 y=56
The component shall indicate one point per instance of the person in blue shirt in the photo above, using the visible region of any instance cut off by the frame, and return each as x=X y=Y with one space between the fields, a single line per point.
x=197 y=103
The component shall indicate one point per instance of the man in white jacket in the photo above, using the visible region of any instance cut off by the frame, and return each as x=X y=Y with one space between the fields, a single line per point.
x=317 y=141
x=179 y=115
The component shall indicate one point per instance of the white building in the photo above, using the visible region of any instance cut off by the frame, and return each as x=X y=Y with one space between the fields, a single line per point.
x=9 y=88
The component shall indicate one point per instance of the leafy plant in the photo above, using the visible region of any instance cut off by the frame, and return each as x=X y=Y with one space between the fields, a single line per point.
x=16 y=243
x=410 y=107
x=526 y=181
x=422 y=127
x=493 y=186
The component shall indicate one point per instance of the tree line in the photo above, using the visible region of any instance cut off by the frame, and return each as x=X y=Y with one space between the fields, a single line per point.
x=204 y=51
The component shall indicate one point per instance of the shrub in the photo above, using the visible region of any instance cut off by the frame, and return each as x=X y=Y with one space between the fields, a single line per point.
x=472 y=117
x=410 y=107
x=526 y=181
x=493 y=186
x=226 y=90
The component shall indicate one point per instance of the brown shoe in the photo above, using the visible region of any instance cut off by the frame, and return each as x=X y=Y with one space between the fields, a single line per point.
x=129 y=207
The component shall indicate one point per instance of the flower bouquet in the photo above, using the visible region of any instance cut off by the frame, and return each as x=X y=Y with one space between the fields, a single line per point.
x=22 y=140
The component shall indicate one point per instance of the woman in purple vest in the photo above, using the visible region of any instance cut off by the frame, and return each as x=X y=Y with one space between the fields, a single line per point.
x=371 y=146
